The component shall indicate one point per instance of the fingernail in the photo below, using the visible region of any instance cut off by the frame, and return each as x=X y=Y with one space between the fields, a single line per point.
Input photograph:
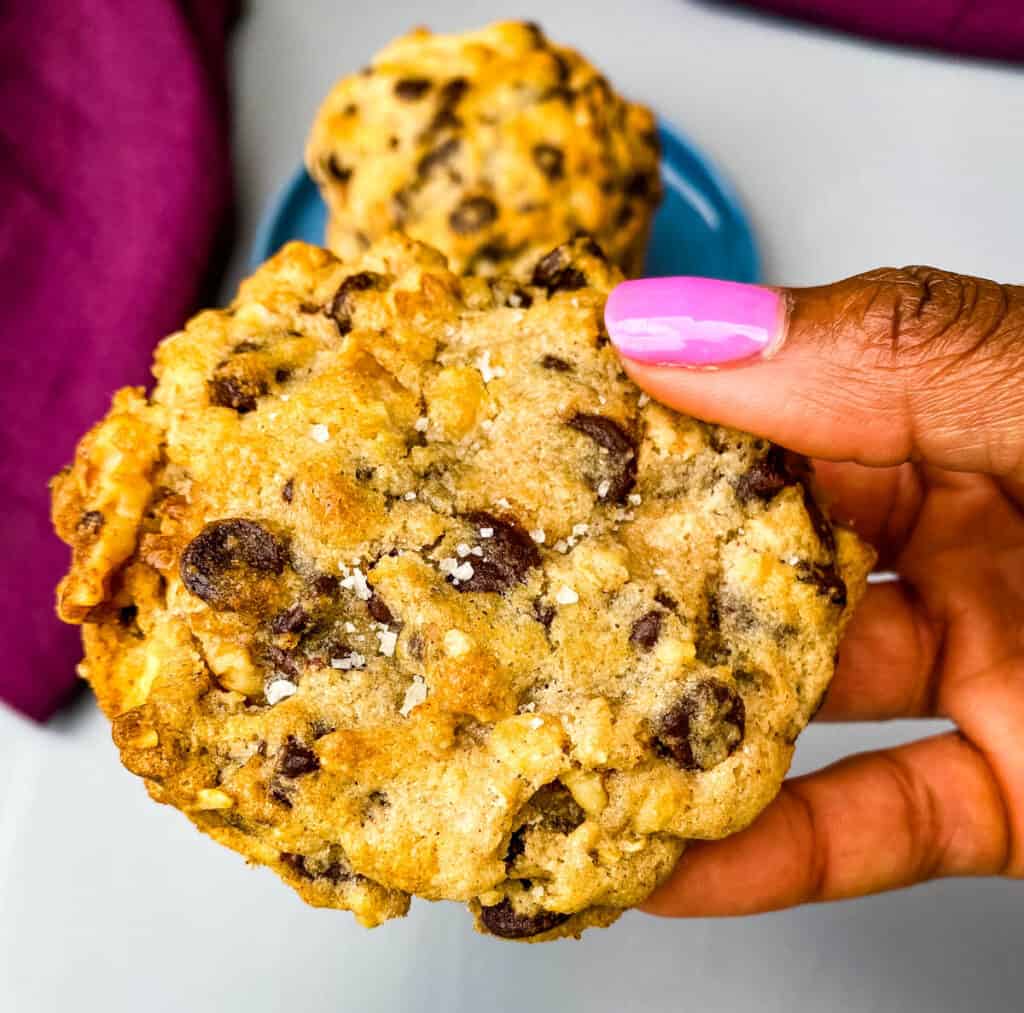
x=694 y=321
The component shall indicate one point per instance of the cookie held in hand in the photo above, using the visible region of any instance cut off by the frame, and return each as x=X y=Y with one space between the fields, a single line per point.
x=396 y=584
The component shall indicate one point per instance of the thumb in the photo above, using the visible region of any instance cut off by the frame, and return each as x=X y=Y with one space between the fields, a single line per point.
x=888 y=366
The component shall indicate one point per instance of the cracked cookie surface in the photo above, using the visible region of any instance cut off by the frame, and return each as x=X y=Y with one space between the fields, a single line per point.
x=491 y=146
x=396 y=584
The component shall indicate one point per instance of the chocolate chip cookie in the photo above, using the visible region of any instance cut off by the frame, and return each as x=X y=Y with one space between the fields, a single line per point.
x=490 y=145
x=396 y=584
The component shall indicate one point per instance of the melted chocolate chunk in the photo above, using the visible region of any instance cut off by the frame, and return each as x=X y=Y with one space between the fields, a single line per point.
x=664 y=598
x=238 y=392
x=437 y=157
x=364 y=474
x=560 y=812
x=550 y=160
x=337 y=872
x=617 y=467
x=293 y=620
x=555 y=273
x=640 y=185
x=340 y=309
x=503 y=920
x=507 y=555
x=817 y=517
x=326 y=584
x=288 y=490
x=411 y=89
x=281 y=797
x=516 y=847
x=519 y=299
x=297 y=863
x=766 y=478
x=295 y=759
x=825 y=579
x=472 y=214
x=703 y=727
x=553 y=362
x=646 y=630
x=90 y=523
x=378 y=610
x=127 y=614
x=447 y=100
x=336 y=171
x=280 y=660
x=221 y=561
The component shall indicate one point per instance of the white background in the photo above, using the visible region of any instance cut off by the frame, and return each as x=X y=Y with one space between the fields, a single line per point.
x=847 y=157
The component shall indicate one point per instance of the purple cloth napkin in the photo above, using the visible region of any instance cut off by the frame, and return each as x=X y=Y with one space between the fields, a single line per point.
x=993 y=29
x=115 y=191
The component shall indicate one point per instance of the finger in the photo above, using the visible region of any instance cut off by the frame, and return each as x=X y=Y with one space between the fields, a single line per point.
x=880 y=504
x=873 y=822
x=888 y=660
x=882 y=368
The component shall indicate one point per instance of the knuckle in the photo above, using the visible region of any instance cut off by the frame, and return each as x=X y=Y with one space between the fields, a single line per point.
x=926 y=313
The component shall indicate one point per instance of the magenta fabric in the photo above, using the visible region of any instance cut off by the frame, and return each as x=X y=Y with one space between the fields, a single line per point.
x=115 y=190
x=993 y=29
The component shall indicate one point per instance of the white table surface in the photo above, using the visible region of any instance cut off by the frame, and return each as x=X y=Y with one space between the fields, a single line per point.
x=847 y=156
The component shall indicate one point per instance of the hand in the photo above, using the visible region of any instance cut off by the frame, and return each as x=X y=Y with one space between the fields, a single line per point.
x=907 y=386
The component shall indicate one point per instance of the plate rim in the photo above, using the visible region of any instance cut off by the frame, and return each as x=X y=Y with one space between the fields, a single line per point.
x=726 y=194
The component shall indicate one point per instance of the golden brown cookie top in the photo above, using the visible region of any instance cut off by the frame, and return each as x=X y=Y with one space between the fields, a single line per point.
x=397 y=584
x=490 y=145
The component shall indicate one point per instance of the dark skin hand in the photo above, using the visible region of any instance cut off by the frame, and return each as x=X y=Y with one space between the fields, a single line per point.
x=907 y=387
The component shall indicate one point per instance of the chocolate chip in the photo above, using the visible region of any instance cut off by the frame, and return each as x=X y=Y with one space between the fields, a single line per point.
x=765 y=478
x=336 y=171
x=219 y=562
x=288 y=490
x=364 y=474
x=555 y=363
x=378 y=610
x=280 y=660
x=282 y=375
x=550 y=160
x=617 y=467
x=539 y=39
x=127 y=614
x=704 y=727
x=279 y=795
x=437 y=157
x=516 y=847
x=414 y=645
x=554 y=273
x=246 y=346
x=519 y=299
x=336 y=872
x=560 y=812
x=340 y=309
x=411 y=89
x=309 y=307
x=472 y=214
x=295 y=759
x=295 y=862
x=817 y=517
x=293 y=620
x=825 y=579
x=639 y=185
x=90 y=523
x=647 y=629
x=507 y=555
x=325 y=584
x=543 y=612
x=664 y=598
x=238 y=392
x=447 y=100
x=503 y=920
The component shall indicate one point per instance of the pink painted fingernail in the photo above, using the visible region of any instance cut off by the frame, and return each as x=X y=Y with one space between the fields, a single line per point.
x=694 y=321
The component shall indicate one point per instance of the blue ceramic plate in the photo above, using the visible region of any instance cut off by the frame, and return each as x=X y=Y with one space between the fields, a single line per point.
x=700 y=228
